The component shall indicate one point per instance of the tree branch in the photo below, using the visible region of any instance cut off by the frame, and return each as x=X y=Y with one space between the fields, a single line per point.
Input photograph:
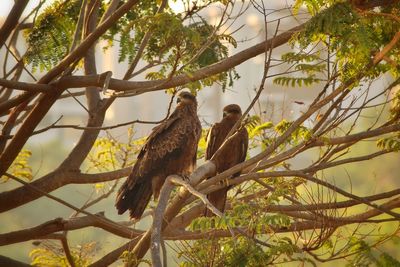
x=49 y=98
x=60 y=224
x=19 y=196
x=5 y=261
x=12 y=20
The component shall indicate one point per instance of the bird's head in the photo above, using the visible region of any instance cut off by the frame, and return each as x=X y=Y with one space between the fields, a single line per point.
x=185 y=97
x=233 y=111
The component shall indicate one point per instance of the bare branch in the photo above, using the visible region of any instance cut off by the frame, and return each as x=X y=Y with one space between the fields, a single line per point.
x=57 y=225
x=19 y=196
x=12 y=20
x=5 y=261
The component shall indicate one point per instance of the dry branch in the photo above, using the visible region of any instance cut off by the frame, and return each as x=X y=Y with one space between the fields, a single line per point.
x=60 y=224
x=12 y=20
x=16 y=197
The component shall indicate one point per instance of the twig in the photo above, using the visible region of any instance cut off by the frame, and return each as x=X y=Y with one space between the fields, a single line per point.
x=111 y=224
x=143 y=45
x=47 y=195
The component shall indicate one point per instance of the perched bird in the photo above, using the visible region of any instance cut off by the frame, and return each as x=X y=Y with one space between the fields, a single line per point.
x=171 y=148
x=232 y=153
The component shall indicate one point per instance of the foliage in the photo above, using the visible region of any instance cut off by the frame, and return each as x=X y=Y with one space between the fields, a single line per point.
x=109 y=154
x=254 y=220
x=175 y=46
x=202 y=146
x=130 y=259
x=264 y=133
x=47 y=256
x=389 y=143
x=239 y=251
x=365 y=256
x=51 y=37
x=20 y=167
x=395 y=105
x=305 y=63
x=339 y=44
x=353 y=36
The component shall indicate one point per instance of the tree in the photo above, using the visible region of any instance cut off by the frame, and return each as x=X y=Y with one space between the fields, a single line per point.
x=278 y=211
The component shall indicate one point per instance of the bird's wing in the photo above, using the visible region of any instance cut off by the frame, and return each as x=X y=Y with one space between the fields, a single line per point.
x=167 y=138
x=212 y=141
x=244 y=144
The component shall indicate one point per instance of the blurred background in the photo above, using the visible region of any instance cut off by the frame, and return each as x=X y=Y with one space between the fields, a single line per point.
x=276 y=103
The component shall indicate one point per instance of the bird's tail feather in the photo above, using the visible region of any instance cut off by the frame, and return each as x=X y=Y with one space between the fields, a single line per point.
x=135 y=200
x=218 y=199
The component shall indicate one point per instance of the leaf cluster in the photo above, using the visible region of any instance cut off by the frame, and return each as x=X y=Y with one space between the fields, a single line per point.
x=238 y=251
x=50 y=38
x=54 y=255
x=175 y=46
x=20 y=167
x=266 y=132
x=109 y=154
x=353 y=36
x=366 y=256
x=305 y=63
x=389 y=143
x=130 y=259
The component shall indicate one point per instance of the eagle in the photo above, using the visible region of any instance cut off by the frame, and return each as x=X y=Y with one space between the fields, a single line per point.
x=171 y=148
x=233 y=152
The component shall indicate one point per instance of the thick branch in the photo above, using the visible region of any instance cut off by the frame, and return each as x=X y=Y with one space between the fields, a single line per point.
x=32 y=87
x=95 y=104
x=115 y=254
x=5 y=261
x=12 y=20
x=19 y=196
x=49 y=98
x=60 y=224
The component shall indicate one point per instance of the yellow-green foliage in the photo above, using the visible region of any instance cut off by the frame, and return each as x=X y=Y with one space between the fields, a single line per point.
x=395 y=108
x=55 y=256
x=389 y=143
x=20 y=167
x=129 y=258
x=202 y=146
x=50 y=38
x=264 y=133
x=109 y=154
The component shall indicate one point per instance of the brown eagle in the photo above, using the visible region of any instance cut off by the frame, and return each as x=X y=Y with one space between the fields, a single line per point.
x=233 y=152
x=171 y=148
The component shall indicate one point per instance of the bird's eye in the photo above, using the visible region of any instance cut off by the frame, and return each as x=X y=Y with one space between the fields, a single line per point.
x=178 y=100
x=225 y=113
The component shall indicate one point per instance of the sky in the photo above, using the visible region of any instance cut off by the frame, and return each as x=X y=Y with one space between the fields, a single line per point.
x=6 y=6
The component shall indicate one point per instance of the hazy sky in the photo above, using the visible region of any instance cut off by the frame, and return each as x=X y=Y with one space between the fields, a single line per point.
x=6 y=6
